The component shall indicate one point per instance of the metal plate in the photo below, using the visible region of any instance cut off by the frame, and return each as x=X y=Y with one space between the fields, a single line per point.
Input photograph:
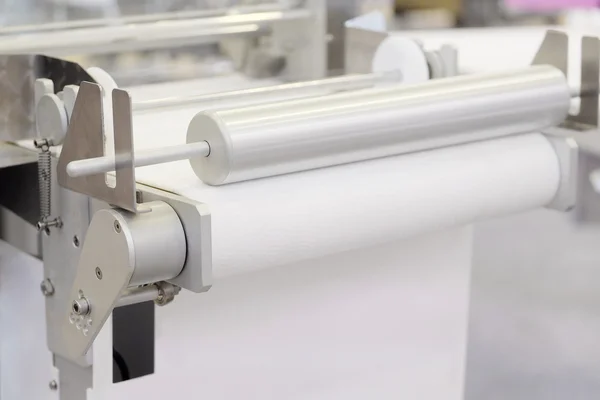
x=554 y=51
x=85 y=139
x=105 y=268
x=590 y=82
x=62 y=249
x=360 y=47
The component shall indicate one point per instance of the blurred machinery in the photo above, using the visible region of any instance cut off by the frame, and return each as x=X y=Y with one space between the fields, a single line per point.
x=113 y=240
x=260 y=40
x=479 y=13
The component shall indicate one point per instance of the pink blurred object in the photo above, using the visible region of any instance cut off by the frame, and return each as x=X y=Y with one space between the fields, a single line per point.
x=548 y=5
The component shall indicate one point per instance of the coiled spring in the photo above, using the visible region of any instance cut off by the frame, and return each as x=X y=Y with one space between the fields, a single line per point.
x=45 y=186
x=44 y=182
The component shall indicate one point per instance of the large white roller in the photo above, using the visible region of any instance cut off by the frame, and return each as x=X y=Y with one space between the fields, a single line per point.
x=282 y=220
x=274 y=139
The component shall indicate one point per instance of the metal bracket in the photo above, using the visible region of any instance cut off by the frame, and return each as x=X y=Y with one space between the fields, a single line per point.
x=360 y=47
x=122 y=251
x=567 y=150
x=85 y=139
x=103 y=273
x=554 y=51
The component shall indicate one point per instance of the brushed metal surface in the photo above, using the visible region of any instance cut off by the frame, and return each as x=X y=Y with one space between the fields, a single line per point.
x=297 y=135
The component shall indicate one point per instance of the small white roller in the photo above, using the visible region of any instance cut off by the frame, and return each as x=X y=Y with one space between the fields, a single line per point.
x=404 y=55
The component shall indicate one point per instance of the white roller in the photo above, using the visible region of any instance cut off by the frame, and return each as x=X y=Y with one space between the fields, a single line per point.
x=282 y=220
x=401 y=54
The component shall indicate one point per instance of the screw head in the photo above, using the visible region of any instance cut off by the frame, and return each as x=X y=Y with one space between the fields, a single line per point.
x=76 y=241
x=98 y=273
x=81 y=306
x=117 y=226
x=53 y=385
x=47 y=288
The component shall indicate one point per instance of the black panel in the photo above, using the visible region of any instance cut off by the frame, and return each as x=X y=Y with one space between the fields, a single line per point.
x=21 y=194
x=133 y=341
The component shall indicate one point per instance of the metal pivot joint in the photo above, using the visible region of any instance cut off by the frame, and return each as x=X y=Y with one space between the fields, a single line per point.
x=126 y=258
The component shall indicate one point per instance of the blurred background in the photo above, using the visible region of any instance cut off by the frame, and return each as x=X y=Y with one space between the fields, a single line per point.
x=535 y=303
x=414 y=14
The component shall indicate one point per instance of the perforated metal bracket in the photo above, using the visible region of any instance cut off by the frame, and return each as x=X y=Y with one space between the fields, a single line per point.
x=106 y=265
x=85 y=139
x=554 y=51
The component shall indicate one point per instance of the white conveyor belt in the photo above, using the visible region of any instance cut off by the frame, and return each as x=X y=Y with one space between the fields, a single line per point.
x=296 y=217
x=286 y=219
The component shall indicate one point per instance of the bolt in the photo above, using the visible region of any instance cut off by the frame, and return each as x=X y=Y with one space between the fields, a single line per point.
x=47 y=288
x=45 y=225
x=42 y=144
x=81 y=306
x=117 y=227
x=139 y=197
x=98 y=273
x=53 y=385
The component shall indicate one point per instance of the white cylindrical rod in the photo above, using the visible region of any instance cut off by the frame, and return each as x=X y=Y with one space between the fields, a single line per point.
x=143 y=158
x=260 y=95
x=279 y=138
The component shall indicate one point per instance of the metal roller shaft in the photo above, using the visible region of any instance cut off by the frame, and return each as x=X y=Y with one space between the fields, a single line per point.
x=296 y=135
x=236 y=98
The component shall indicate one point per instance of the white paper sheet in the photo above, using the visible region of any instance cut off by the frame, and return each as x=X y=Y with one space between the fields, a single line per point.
x=388 y=322
x=25 y=361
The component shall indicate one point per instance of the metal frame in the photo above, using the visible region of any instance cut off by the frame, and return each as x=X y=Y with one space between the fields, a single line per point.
x=61 y=257
x=18 y=74
x=554 y=51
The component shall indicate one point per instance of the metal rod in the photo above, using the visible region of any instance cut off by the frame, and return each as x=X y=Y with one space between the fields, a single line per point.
x=98 y=165
x=146 y=35
x=246 y=96
x=137 y=295
x=136 y=19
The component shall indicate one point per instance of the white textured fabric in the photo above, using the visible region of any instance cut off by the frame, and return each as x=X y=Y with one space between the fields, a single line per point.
x=281 y=220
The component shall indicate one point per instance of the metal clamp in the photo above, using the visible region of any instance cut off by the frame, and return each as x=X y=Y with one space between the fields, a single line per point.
x=85 y=139
x=554 y=51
